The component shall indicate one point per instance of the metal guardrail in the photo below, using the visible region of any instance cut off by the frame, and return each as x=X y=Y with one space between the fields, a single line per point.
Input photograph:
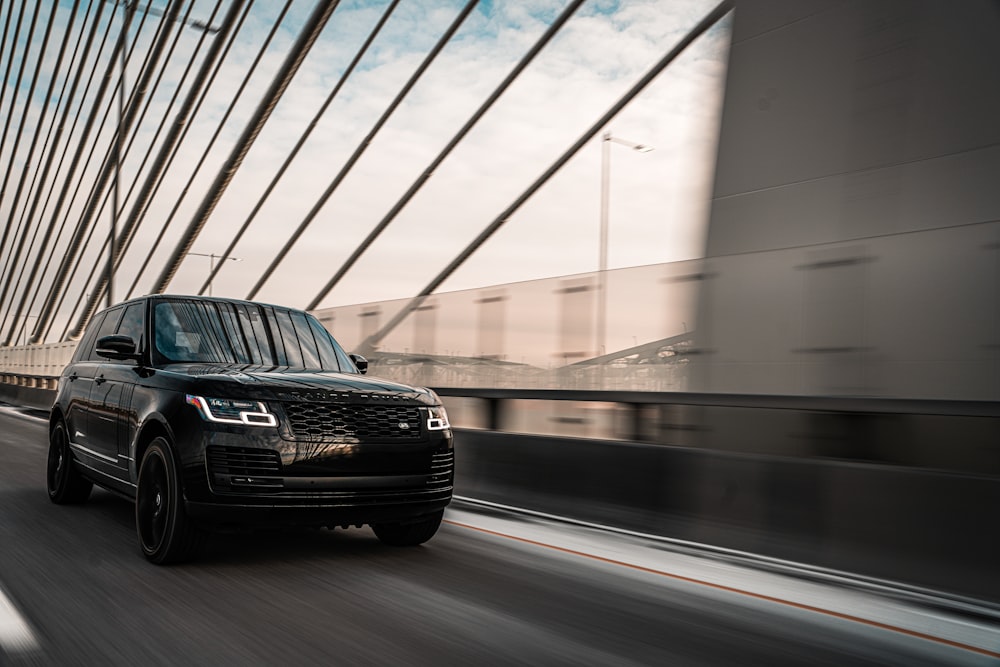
x=871 y=405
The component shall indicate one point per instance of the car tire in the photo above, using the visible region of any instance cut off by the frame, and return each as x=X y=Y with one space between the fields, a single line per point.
x=408 y=534
x=66 y=485
x=166 y=534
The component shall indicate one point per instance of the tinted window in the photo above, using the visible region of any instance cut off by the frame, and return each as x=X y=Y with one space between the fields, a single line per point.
x=86 y=345
x=244 y=334
x=107 y=328
x=131 y=324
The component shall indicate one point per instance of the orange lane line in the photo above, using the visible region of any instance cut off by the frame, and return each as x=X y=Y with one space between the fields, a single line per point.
x=730 y=589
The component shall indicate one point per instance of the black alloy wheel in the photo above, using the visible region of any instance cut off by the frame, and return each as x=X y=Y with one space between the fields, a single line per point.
x=408 y=534
x=166 y=535
x=65 y=483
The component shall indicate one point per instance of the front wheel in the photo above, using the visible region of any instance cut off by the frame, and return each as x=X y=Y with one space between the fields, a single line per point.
x=166 y=535
x=408 y=534
x=65 y=483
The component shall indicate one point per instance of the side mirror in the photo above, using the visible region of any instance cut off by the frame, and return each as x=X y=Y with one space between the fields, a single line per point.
x=360 y=362
x=116 y=347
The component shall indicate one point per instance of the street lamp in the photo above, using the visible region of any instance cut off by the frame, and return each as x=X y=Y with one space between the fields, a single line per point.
x=602 y=288
x=129 y=7
x=24 y=329
x=211 y=264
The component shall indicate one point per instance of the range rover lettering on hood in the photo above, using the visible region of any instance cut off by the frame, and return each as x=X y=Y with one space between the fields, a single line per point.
x=352 y=396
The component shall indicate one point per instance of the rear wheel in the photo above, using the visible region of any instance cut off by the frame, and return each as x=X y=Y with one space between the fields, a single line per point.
x=65 y=483
x=408 y=534
x=166 y=534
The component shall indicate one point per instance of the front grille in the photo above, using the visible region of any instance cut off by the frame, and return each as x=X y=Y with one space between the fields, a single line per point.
x=243 y=461
x=356 y=423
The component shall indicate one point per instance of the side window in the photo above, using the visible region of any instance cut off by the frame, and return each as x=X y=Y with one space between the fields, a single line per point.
x=131 y=324
x=107 y=328
x=86 y=344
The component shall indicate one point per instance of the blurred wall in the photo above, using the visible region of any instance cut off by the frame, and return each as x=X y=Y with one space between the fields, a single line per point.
x=854 y=242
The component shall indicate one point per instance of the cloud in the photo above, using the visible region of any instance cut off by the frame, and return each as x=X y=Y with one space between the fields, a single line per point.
x=658 y=200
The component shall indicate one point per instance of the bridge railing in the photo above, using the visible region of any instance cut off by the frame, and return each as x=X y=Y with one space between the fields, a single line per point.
x=34 y=365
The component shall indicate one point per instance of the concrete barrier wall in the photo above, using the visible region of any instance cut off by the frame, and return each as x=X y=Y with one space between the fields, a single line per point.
x=32 y=397
x=916 y=526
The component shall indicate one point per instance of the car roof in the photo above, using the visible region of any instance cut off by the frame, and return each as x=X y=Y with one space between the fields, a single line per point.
x=190 y=297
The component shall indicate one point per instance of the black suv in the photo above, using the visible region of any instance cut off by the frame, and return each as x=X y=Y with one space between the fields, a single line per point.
x=211 y=413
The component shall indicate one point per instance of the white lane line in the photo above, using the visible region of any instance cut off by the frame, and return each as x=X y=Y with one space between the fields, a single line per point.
x=15 y=633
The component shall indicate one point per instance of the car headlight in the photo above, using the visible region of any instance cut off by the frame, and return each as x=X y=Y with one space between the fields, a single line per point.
x=232 y=411
x=437 y=418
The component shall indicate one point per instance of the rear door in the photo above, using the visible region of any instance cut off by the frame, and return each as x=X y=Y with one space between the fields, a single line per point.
x=114 y=422
x=80 y=376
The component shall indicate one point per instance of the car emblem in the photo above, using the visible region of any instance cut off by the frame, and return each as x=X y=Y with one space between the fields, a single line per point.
x=404 y=426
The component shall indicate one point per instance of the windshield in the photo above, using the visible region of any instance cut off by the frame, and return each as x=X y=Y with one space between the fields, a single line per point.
x=245 y=334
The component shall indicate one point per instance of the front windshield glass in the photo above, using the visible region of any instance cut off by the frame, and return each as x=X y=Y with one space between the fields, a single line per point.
x=244 y=334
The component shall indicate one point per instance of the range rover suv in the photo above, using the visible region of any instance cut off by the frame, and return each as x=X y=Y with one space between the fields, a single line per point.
x=211 y=413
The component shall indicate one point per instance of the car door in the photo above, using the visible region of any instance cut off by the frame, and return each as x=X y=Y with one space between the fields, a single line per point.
x=80 y=377
x=113 y=388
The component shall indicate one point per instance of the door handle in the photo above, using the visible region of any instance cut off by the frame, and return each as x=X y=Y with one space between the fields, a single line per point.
x=100 y=379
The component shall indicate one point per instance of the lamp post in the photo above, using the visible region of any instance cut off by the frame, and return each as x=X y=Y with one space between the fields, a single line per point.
x=602 y=287
x=211 y=264
x=24 y=329
x=129 y=10
x=129 y=7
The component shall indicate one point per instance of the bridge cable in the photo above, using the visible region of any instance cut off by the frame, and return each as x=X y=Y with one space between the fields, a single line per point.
x=106 y=170
x=3 y=48
x=307 y=37
x=79 y=69
x=428 y=171
x=79 y=147
x=700 y=28
x=167 y=148
x=45 y=160
x=363 y=146
x=11 y=114
x=113 y=154
x=302 y=139
x=197 y=108
x=22 y=236
x=208 y=148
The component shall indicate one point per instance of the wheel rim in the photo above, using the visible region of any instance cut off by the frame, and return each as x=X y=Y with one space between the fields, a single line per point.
x=152 y=503
x=58 y=465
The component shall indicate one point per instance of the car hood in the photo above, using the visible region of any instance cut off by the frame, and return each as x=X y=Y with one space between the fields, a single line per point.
x=283 y=383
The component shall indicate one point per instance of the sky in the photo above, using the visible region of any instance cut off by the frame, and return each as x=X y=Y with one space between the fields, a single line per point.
x=658 y=199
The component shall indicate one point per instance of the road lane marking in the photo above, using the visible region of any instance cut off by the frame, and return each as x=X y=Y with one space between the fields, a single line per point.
x=738 y=591
x=15 y=633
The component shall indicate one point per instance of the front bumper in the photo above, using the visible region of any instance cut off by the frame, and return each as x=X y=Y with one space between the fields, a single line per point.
x=312 y=484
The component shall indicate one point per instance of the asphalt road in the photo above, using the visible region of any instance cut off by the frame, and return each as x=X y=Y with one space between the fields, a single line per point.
x=75 y=578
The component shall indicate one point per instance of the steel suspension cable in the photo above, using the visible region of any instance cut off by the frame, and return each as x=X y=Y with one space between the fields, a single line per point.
x=10 y=115
x=10 y=58
x=425 y=175
x=700 y=28
x=124 y=128
x=21 y=233
x=210 y=145
x=67 y=145
x=79 y=231
x=363 y=146
x=203 y=94
x=46 y=159
x=302 y=139
x=167 y=148
x=307 y=37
